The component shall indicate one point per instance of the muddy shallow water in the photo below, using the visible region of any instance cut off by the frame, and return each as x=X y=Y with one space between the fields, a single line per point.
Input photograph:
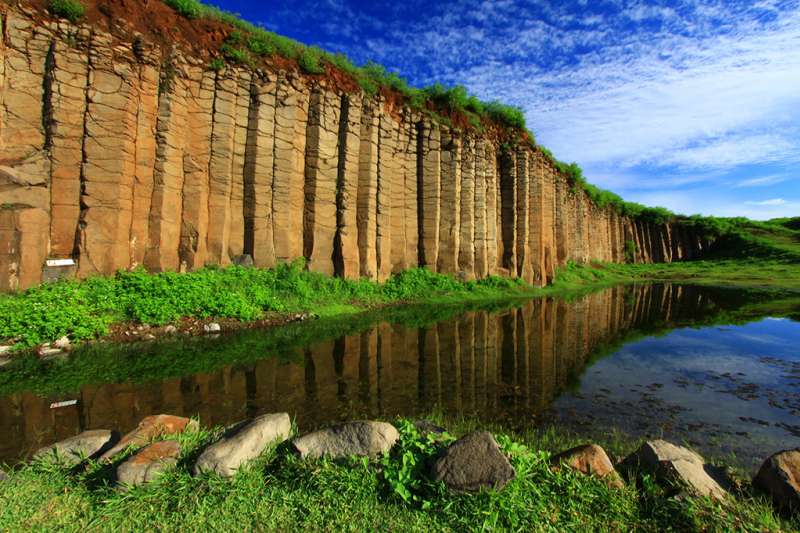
x=656 y=360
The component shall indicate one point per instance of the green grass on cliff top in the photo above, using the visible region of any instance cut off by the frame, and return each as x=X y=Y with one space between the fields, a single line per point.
x=280 y=492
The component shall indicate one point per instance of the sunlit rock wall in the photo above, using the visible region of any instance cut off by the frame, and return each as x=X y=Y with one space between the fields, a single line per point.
x=113 y=157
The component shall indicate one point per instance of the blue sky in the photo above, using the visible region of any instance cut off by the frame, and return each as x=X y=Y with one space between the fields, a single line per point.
x=691 y=105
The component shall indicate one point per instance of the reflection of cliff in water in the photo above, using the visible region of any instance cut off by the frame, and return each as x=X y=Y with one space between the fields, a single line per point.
x=507 y=365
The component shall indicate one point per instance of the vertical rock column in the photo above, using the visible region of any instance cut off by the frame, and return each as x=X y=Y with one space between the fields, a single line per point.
x=407 y=147
x=68 y=71
x=242 y=117
x=392 y=159
x=548 y=221
x=490 y=172
x=524 y=263
x=291 y=116
x=368 y=189
x=481 y=228
x=24 y=165
x=508 y=212
x=146 y=121
x=450 y=203
x=199 y=99
x=346 y=249
x=168 y=177
x=535 y=219
x=258 y=172
x=429 y=190
x=321 y=175
x=386 y=183
x=466 y=250
x=109 y=165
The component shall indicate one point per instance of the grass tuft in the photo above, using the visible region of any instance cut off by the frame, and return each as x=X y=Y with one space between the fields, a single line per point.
x=72 y=10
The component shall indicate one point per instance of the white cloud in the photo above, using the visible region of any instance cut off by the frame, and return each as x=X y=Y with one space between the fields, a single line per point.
x=771 y=202
x=763 y=181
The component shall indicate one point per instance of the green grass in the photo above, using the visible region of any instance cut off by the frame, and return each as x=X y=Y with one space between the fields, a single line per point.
x=72 y=10
x=85 y=309
x=279 y=492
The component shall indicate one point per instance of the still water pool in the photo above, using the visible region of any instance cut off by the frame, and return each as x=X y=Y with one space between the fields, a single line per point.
x=718 y=368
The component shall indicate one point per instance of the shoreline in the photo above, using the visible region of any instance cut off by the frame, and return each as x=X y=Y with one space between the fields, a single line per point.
x=572 y=280
x=395 y=489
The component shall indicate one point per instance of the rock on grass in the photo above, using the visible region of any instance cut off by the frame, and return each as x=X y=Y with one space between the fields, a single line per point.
x=675 y=464
x=87 y=445
x=590 y=460
x=150 y=428
x=363 y=438
x=472 y=463
x=242 y=443
x=779 y=477
x=149 y=463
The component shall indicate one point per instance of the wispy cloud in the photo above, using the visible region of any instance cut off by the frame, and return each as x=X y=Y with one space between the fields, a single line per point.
x=646 y=95
x=771 y=202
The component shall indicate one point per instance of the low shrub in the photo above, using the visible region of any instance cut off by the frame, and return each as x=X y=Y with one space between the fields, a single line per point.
x=72 y=10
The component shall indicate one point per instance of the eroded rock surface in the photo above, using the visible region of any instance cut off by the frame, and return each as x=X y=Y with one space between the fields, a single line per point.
x=591 y=460
x=676 y=464
x=148 y=463
x=243 y=443
x=472 y=463
x=779 y=477
x=87 y=445
x=150 y=428
x=363 y=438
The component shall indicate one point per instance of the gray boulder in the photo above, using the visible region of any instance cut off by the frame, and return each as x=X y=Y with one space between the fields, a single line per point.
x=87 y=445
x=149 y=463
x=472 y=463
x=426 y=427
x=779 y=477
x=677 y=465
x=242 y=443
x=363 y=438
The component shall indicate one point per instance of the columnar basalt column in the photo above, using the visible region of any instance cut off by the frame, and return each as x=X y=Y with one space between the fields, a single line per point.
x=490 y=172
x=367 y=196
x=258 y=171
x=68 y=71
x=536 y=219
x=450 y=202
x=321 y=173
x=481 y=211
x=466 y=251
x=429 y=188
x=347 y=252
x=109 y=158
x=196 y=158
x=508 y=212
x=291 y=117
x=524 y=259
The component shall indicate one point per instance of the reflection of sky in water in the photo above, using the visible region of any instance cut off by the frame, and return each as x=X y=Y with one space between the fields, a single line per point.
x=676 y=386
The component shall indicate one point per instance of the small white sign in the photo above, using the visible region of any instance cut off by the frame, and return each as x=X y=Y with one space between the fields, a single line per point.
x=60 y=262
x=68 y=403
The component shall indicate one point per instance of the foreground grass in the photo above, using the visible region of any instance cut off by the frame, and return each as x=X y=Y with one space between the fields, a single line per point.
x=280 y=492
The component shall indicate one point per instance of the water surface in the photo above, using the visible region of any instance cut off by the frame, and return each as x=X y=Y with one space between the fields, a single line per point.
x=655 y=360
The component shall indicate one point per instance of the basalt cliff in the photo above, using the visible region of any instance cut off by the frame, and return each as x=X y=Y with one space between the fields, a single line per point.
x=116 y=152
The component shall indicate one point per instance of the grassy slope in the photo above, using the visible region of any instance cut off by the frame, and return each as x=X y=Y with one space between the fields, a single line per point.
x=282 y=493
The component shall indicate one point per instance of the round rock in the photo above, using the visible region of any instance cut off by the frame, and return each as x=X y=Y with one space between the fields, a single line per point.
x=87 y=445
x=242 y=443
x=363 y=438
x=472 y=463
x=779 y=477
x=148 y=463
